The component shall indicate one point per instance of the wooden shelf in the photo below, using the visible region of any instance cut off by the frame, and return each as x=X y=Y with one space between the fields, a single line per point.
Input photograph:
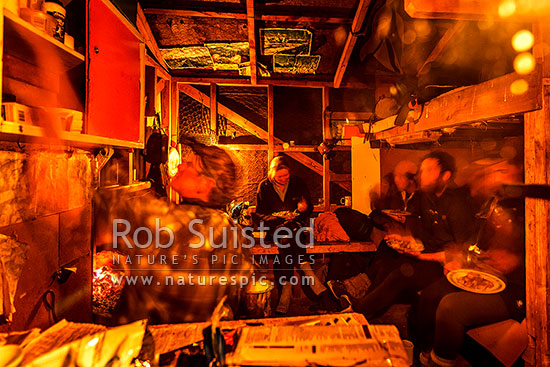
x=14 y=131
x=24 y=41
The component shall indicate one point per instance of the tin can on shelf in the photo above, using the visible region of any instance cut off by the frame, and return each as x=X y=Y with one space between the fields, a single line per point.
x=55 y=8
x=40 y=20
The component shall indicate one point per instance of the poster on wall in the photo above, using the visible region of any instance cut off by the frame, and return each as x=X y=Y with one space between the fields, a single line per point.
x=296 y=64
x=285 y=41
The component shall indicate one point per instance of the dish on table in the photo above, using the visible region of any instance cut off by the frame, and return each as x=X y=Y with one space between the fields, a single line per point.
x=287 y=214
x=404 y=245
x=395 y=212
x=476 y=281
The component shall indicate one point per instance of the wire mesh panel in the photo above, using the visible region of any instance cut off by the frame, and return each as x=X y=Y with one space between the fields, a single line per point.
x=253 y=169
x=194 y=120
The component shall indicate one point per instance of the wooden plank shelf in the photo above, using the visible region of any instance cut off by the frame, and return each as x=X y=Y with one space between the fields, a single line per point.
x=12 y=131
x=26 y=42
x=324 y=247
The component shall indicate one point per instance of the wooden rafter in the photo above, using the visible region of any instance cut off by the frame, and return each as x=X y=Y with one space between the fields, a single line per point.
x=352 y=116
x=251 y=128
x=350 y=41
x=302 y=19
x=487 y=100
x=252 y=41
x=145 y=30
x=474 y=10
x=270 y=124
x=214 y=108
x=266 y=82
x=149 y=61
x=326 y=163
x=442 y=44
x=264 y=17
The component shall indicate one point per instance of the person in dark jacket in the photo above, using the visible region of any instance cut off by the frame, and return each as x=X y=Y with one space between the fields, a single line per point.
x=441 y=218
x=445 y=312
x=283 y=204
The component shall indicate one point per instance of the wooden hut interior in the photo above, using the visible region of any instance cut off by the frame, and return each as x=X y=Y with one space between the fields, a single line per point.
x=101 y=100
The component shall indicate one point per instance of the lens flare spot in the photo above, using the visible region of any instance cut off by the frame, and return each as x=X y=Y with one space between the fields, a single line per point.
x=423 y=28
x=519 y=87
x=340 y=35
x=524 y=63
x=393 y=90
x=485 y=24
x=523 y=40
x=409 y=37
x=507 y=8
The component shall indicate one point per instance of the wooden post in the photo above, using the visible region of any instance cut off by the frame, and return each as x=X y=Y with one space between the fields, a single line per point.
x=326 y=162
x=537 y=211
x=213 y=109
x=173 y=130
x=252 y=41
x=165 y=109
x=270 y=124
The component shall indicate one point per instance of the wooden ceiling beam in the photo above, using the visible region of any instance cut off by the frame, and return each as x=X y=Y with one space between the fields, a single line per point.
x=353 y=116
x=147 y=34
x=252 y=41
x=263 y=82
x=265 y=17
x=149 y=61
x=350 y=41
x=474 y=10
x=194 y=13
x=442 y=44
x=303 y=19
x=487 y=100
x=251 y=128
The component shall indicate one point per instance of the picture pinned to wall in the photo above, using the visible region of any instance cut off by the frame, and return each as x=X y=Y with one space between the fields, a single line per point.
x=187 y=57
x=285 y=41
x=296 y=64
x=228 y=56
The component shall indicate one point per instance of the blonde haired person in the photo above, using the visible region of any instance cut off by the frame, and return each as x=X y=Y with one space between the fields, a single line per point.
x=282 y=192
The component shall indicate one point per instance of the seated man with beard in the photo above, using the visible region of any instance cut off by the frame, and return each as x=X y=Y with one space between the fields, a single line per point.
x=441 y=218
x=182 y=259
x=446 y=312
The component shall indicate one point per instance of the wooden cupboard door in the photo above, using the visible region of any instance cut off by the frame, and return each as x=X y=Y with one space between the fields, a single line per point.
x=115 y=71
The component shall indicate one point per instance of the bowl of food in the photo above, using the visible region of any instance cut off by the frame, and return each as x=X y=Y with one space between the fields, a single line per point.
x=405 y=245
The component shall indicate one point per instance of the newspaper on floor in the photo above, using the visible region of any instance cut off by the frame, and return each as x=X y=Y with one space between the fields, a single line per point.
x=350 y=345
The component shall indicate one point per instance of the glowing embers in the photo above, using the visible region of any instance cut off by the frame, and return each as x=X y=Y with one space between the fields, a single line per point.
x=174 y=160
x=107 y=283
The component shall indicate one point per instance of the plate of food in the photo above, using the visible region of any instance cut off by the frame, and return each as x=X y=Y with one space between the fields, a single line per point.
x=287 y=214
x=404 y=245
x=395 y=212
x=476 y=281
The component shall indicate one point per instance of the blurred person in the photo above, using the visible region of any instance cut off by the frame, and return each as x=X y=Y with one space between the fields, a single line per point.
x=396 y=188
x=446 y=312
x=441 y=218
x=182 y=258
x=283 y=202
